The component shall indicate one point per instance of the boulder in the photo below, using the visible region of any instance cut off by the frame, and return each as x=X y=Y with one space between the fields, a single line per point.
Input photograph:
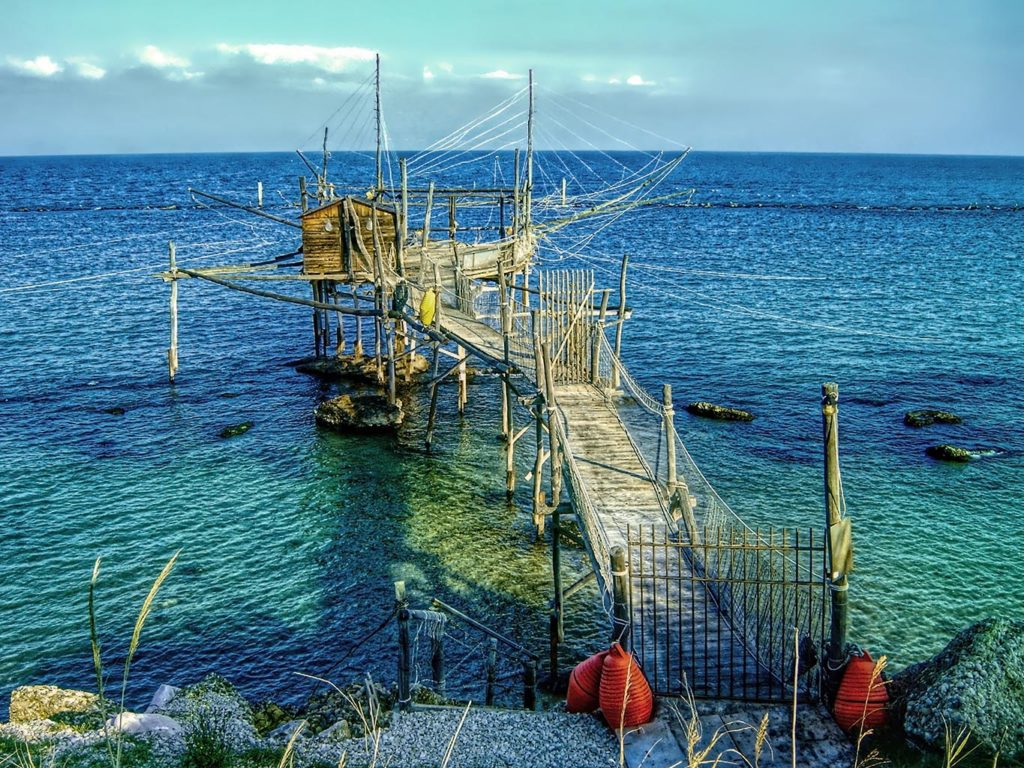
x=927 y=416
x=284 y=732
x=42 y=702
x=947 y=452
x=162 y=697
x=359 y=413
x=720 y=412
x=975 y=682
x=235 y=429
x=144 y=724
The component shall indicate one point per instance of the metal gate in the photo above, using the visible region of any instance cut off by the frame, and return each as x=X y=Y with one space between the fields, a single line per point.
x=742 y=616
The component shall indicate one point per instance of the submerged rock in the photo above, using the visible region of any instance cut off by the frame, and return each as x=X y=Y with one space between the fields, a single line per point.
x=975 y=682
x=42 y=702
x=236 y=429
x=359 y=413
x=720 y=412
x=947 y=452
x=115 y=410
x=927 y=416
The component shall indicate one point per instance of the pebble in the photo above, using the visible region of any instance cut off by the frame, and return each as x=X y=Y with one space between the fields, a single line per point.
x=488 y=739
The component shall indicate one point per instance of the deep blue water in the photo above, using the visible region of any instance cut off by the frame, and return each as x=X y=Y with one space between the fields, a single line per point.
x=898 y=277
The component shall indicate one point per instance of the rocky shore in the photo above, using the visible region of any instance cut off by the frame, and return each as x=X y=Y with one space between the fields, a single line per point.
x=211 y=725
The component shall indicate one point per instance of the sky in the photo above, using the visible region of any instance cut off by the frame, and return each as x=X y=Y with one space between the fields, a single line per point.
x=905 y=76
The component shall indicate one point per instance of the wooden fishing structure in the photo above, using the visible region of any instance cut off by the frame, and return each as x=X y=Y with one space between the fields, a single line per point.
x=709 y=603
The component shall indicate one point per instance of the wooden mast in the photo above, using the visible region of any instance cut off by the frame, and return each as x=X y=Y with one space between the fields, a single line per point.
x=380 y=172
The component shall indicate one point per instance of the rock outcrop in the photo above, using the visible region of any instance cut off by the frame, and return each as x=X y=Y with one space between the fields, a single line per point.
x=360 y=369
x=976 y=682
x=720 y=412
x=927 y=416
x=948 y=452
x=359 y=413
x=42 y=702
x=235 y=429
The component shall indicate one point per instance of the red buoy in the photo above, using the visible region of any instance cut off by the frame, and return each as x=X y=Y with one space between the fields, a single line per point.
x=584 y=684
x=860 y=703
x=625 y=696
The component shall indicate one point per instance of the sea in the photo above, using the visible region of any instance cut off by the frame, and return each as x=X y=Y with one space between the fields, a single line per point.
x=898 y=277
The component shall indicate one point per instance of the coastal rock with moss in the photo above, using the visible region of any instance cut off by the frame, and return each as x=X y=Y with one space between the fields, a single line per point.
x=719 y=412
x=975 y=682
x=359 y=413
x=45 y=702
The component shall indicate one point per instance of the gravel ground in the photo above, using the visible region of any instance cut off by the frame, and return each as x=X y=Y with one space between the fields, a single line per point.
x=488 y=739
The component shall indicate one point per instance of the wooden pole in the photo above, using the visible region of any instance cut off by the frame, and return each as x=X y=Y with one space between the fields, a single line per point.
x=838 y=582
x=426 y=215
x=315 y=288
x=172 y=350
x=405 y=199
x=303 y=195
x=553 y=441
x=620 y=597
x=357 y=351
x=538 y=464
x=463 y=393
x=598 y=334
x=530 y=684
x=392 y=385
x=259 y=194
x=437 y=662
x=529 y=159
x=621 y=320
x=339 y=348
x=492 y=670
x=380 y=133
x=516 y=213
x=404 y=649
x=563 y=190
x=670 y=442
x=556 y=628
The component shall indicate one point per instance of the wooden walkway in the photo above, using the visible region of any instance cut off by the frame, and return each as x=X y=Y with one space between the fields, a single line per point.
x=620 y=493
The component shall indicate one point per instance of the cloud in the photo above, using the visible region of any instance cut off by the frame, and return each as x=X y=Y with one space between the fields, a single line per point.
x=87 y=69
x=40 y=66
x=501 y=74
x=327 y=59
x=427 y=74
x=637 y=80
x=154 y=57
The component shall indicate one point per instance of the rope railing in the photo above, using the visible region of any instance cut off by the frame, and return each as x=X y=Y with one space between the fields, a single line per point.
x=759 y=610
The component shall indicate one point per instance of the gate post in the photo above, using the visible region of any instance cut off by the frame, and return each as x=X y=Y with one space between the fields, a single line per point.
x=670 y=443
x=620 y=598
x=837 y=539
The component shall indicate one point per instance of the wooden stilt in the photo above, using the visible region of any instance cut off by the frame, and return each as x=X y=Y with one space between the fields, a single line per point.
x=621 y=320
x=339 y=348
x=433 y=396
x=492 y=670
x=357 y=351
x=553 y=442
x=510 y=442
x=172 y=350
x=463 y=392
x=539 y=505
x=259 y=194
x=556 y=628
x=598 y=334
x=315 y=288
x=392 y=386
x=303 y=195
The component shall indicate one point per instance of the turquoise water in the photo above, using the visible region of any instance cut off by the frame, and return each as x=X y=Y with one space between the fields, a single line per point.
x=909 y=277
